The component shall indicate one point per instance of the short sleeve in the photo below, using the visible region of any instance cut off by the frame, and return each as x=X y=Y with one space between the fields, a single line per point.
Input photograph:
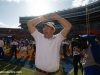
x=36 y=34
x=60 y=37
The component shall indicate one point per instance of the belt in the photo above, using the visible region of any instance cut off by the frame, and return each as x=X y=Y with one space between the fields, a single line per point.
x=46 y=72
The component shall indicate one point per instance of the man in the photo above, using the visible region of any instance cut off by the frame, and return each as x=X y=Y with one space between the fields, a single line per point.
x=48 y=45
x=76 y=56
x=14 y=45
x=65 y=45
x=1 y=48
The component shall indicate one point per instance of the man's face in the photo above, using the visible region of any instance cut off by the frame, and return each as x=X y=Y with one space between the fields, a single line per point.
x=48 y=31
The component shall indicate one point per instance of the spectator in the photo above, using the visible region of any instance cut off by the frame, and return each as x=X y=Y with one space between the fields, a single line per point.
x=14 y=45
x=1 y=48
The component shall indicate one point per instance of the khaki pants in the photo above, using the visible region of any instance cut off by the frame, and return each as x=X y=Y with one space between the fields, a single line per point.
x=40 y=73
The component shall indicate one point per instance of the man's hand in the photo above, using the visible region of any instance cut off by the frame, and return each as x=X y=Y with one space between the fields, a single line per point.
x=32 y=23
x=55 y=16
x=65 y=23
x=44 y=17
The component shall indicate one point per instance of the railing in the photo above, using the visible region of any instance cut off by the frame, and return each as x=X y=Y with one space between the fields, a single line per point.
x=81 y=13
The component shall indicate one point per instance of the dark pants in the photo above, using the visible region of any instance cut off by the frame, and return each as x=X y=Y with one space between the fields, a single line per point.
x=64 y=50
x=75 y=63
x=13 y=52
x=1 y=52
x=92 y=70
x=37 y=72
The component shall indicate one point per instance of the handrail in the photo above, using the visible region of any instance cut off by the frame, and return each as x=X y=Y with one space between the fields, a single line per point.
x=82 y=13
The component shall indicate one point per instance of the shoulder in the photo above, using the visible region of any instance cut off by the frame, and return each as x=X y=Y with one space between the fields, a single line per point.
x=35 y=33
x=59 y=36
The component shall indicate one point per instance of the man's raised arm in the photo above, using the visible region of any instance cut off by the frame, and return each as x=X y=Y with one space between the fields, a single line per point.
x=65 y=23
x=32 y=23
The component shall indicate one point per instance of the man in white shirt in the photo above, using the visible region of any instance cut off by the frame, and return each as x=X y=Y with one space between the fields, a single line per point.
x=14 y=45
x=1 y=48
x=47 y=57
x=76 y=50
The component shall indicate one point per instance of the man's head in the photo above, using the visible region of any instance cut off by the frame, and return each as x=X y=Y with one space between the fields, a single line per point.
x=48 y=29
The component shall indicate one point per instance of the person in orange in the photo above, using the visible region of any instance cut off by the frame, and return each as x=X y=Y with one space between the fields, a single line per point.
x=31 y=56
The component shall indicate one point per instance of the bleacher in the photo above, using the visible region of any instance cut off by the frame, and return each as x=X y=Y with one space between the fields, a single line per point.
x=77 y=16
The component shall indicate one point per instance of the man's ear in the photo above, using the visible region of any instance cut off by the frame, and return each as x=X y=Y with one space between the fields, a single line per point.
x=53 y=30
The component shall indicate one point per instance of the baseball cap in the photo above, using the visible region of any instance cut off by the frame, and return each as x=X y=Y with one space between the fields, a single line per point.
x=51 y=24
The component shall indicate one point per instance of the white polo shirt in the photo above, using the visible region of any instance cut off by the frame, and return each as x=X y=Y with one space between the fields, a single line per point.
x=47 y=51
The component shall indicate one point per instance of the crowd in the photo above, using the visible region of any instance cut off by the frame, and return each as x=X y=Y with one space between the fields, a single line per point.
x=23 y=49
x=44 y=50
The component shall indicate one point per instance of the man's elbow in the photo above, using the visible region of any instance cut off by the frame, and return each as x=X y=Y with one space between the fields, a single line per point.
x=29 y=23
x=68 y=27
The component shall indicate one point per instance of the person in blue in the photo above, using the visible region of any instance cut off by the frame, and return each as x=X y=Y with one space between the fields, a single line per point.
x=92 y=56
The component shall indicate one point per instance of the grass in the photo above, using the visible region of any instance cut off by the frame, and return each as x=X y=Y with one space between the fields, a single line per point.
x=79 y=72
x=19 y=70
x=10 y=69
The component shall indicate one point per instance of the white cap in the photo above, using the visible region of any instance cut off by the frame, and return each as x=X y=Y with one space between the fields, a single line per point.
x=51 y=24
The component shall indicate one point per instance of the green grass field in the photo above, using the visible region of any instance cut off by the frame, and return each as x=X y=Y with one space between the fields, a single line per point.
x=79 y=72
x=10 y=69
